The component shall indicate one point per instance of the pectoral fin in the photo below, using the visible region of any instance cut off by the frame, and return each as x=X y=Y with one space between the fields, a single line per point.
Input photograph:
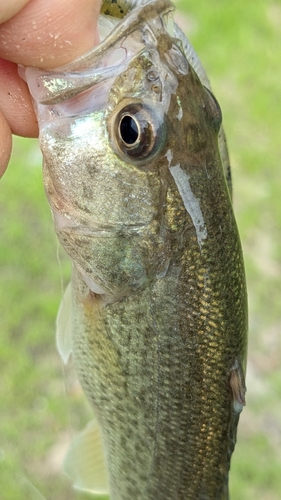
x=237 y=384
x=84 y=462
x=64 y=326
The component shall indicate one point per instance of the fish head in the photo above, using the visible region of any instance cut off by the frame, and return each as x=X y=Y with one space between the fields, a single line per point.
x=109 y=138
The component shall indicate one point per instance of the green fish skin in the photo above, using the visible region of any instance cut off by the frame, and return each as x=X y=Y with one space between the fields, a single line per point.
x=134 y=176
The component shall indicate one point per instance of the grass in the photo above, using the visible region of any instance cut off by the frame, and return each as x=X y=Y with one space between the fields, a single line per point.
x=239 y=45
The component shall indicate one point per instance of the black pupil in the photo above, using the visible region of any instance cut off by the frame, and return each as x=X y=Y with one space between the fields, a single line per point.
x=129 y=129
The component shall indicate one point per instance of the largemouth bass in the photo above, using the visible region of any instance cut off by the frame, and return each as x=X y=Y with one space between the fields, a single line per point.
x=136 y=171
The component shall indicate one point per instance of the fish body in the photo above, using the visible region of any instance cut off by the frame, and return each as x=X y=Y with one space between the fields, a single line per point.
x=134 y=176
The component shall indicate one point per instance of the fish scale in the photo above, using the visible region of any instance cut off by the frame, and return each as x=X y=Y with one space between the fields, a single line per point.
x=137 y=177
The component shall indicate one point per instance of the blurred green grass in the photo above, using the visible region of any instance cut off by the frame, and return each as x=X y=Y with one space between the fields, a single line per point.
x=239 y=45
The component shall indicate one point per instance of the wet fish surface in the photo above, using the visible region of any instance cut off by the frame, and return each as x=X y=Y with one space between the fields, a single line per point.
x=136 y=172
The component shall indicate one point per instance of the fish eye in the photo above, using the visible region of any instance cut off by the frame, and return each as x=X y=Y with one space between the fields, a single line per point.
x=129 y=130
x=137 y=131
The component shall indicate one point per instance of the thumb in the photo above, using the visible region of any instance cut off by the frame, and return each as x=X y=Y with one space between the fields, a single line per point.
x=44 y=34
x=47 y=34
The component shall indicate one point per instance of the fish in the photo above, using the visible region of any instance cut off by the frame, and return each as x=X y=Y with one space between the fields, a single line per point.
x=136 y=172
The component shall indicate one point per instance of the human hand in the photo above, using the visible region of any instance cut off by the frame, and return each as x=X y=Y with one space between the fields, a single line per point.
x=44 y=34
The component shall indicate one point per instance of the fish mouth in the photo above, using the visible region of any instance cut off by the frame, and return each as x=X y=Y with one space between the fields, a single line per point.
x=54 y=88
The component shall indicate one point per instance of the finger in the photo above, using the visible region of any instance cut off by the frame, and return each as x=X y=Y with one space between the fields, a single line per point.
x=47 y=34
x=6 y=144
x=15 y=101
x=10 y=8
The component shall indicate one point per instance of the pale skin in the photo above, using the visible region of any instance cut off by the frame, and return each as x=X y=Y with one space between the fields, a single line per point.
x=39 y=33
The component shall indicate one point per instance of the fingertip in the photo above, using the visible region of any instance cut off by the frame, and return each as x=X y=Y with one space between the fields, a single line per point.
x=5 y=144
